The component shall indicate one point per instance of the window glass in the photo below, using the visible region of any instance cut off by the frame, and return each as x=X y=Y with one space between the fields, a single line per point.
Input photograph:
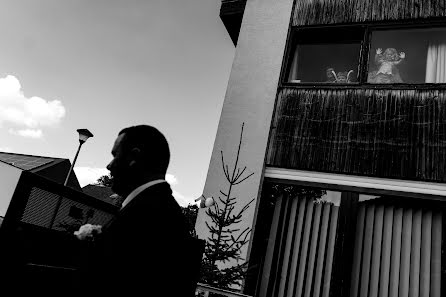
x=325 y=63
x=325 y=55
x=408 y=56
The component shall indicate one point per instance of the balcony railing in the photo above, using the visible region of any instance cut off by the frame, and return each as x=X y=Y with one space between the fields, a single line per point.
x=387 y=133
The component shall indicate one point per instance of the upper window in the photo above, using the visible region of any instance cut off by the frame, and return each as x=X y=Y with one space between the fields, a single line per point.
x=325 y=56
x=402 y=56
x=408 y=56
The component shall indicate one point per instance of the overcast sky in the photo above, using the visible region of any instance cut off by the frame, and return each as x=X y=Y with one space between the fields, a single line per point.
x=105 y=65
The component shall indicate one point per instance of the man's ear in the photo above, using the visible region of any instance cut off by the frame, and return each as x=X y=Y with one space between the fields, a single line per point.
x=135 y=154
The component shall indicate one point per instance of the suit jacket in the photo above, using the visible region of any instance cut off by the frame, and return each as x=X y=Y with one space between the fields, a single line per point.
x=144 y=250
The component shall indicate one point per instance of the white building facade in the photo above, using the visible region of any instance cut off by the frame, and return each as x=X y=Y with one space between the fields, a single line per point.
x=342 y=105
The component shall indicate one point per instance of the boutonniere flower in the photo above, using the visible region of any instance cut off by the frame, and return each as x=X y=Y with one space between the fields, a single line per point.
x=88 y=232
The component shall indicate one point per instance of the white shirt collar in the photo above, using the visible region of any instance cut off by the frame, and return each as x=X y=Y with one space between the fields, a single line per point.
x=139 y=189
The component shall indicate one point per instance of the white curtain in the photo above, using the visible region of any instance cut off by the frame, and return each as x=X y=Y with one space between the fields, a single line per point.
x=293 y=69
x=397 y=252
x=436 y=63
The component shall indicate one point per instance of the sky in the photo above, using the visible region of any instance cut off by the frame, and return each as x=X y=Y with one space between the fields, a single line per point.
x=104 y=65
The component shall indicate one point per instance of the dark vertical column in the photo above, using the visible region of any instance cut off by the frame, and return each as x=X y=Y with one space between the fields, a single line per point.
x=345 y=237
x=12 y=239
x=260 y=240
x=443 y=253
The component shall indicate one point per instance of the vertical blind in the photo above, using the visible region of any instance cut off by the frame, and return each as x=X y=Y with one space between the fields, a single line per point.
x=397 y=251
x=300 y=249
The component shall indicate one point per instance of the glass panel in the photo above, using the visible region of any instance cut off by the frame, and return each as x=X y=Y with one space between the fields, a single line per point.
x=364 y=197
x=325 y=63
x=298 y=252
x=408 y=56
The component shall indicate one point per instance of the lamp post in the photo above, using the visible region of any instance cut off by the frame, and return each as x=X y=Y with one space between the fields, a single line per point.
x=84 y=134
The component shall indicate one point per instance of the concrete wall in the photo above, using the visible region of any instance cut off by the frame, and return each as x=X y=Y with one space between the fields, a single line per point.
x=249 y=99
x=9 y=177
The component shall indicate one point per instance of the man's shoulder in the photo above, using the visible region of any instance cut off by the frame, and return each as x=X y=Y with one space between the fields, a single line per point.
x=157 y=194
x=162 y=188
x=158 y=197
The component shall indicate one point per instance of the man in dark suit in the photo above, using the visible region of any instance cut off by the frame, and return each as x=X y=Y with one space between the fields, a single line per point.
x=145 y=250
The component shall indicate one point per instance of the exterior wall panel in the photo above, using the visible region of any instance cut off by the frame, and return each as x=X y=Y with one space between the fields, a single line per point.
x=249 y=99
x=381 y=133
x=321 y=12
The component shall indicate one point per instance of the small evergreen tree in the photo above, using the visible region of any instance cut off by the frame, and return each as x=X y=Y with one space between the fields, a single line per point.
x=190 y=214
x=226 y=239
x=105 y=180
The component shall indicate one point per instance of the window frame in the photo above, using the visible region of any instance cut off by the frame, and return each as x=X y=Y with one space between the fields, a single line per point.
x=307 y=33
x=346 y=228
x=364 y=54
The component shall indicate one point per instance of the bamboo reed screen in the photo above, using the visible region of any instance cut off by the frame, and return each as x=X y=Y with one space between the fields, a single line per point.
x=315 y=12
x=300 y=249
x=381 y=133
x=397 y=251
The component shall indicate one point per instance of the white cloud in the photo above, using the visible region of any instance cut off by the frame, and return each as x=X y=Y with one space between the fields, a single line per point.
x=30 y=113
x=171 y=179
x=180 y=198
x=29 y=133
x=89 y=175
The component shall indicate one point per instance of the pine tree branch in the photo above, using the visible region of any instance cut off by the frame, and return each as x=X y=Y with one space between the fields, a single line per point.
x=240 y=174
x=224 y=194
x=225 y=168
x=236 y=183
x=238 y=152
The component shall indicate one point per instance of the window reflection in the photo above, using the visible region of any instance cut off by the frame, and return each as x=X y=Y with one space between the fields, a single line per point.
x=325 y=63
x=330 y=197
x=408 y=56
x=365 y=197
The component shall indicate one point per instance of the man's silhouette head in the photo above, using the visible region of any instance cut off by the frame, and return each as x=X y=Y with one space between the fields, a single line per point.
x=140 y=154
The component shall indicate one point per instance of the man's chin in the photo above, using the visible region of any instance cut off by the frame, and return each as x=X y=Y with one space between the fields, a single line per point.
x=116 y=189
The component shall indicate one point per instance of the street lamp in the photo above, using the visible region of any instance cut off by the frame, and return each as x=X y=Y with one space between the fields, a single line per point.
x=84 y=134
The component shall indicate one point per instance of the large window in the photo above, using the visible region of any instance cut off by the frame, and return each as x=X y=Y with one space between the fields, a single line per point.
x=317 y=242
x=393 y=56
x=301 y=242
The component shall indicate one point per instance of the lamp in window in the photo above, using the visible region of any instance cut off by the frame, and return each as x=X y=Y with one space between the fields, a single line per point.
x=205 y=202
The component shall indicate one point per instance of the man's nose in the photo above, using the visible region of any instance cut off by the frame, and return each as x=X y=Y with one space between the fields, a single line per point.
x=109 y=166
